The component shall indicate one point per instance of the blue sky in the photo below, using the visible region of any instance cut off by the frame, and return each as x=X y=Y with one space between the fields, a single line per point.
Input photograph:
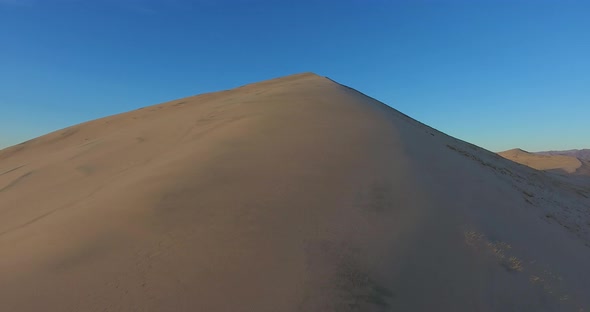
x=499 y=74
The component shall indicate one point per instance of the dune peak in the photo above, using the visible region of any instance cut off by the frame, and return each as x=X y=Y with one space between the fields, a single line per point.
x=290 y=194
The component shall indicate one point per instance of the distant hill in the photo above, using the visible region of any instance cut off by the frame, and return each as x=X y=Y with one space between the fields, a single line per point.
x=583 y=154
x=549 y=162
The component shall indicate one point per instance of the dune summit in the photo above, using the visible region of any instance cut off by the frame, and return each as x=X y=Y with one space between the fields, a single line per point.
x=293 y=194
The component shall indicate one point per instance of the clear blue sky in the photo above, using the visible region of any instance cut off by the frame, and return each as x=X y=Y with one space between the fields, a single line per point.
x=500 y=74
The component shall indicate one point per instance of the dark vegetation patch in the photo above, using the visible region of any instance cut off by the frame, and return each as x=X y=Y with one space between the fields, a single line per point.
x=349 y=285
x=86 y=169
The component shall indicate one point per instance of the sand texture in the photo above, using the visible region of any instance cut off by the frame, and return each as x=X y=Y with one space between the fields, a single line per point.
x=293 y=194
x=555 y=163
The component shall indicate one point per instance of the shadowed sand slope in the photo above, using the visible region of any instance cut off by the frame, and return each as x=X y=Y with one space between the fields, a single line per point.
x=294 y=194
x=562 y=163
x=582 y=154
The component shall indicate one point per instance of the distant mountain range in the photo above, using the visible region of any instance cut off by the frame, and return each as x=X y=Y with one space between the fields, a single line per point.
x=583 y=154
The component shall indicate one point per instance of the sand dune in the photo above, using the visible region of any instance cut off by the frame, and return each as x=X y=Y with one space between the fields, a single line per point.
x=294 y=194
x=582 y=154
x=557 y=163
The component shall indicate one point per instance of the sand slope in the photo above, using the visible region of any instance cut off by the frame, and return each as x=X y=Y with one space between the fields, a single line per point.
x=558 y=163
x=582 y=154
x=294 y=194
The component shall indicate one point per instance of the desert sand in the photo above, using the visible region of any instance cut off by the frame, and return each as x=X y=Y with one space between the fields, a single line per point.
x=582 y=154
x=555 y=163
x=293 y=194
